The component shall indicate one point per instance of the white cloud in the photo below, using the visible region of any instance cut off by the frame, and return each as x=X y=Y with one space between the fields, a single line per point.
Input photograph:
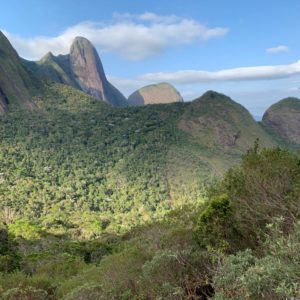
x=147 y=17
x=189 y=95
x=236 y=74
x=190 y=81
x=278 y=49
x=294 y=89
x=134 y=37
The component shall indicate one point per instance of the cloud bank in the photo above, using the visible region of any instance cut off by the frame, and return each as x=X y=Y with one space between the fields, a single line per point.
x=188 y=78
x=235 y=74
x=133 y=37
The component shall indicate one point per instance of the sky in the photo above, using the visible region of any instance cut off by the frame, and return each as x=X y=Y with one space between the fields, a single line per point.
x=248 y=50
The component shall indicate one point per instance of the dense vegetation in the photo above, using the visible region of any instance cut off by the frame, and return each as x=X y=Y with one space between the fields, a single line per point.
x=242 y=243
x=102 y=203
x=77 y=166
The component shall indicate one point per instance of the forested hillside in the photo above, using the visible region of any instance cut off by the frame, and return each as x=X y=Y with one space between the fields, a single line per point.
x=77 y=155
x=78 y=166
x=242 y=243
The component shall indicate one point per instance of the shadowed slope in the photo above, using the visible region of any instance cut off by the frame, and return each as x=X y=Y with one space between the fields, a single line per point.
x=15 y=80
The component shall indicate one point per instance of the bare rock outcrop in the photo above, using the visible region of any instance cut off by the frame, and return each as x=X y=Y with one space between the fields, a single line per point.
x=161 y=93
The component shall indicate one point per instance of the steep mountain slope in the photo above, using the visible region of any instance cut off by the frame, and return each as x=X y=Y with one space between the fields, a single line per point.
x=215 y=132
x=155 y=94
x=89 y=73
x=15 y=80
x=81 y=69
x=282 y=119
x=3 y=102
x=56 y=68
x=218 y=122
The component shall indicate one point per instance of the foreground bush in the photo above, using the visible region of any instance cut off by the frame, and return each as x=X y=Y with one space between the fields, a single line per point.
x=273 y=276
x=264 y=187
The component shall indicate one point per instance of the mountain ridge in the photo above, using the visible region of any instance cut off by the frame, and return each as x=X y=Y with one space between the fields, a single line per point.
x=15 y=80
x=82 y=69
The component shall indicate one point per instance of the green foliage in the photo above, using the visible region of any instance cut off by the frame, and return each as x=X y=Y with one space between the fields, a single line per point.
x=216 y=225
x=86 y=292
x=79 y=167
x=193 y=252
x=25 y=229
x=274 y=275
x=27 y=293
x=9 y=259
x=265 y=187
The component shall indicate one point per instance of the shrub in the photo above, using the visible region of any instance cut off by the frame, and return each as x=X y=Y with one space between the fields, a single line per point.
x=26 y=293
x=25 y=229
x=274 y=276
x=86 y=292
x=265 y=187
x=216 y=226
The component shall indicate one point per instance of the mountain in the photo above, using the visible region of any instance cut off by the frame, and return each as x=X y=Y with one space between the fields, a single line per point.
x=89 y=73
x=16 y=82
x=81 y=69
x=216 y=121
x=213 y=133
x=282 y=119
x=56 y=68
x=155 y=94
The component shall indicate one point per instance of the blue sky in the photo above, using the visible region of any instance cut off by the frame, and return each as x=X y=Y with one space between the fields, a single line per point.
x=196 y=45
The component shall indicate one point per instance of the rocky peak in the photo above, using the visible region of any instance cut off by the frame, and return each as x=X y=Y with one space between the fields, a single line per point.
x=47 y=57
x=87 y=68
x=89 y=74
x=6 y=48
x=155 y=94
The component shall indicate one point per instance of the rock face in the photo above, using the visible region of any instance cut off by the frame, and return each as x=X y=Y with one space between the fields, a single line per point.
x=89 y=74
x=155 y=94
x=82 y=69
x=283 y=119
x=15 y=80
